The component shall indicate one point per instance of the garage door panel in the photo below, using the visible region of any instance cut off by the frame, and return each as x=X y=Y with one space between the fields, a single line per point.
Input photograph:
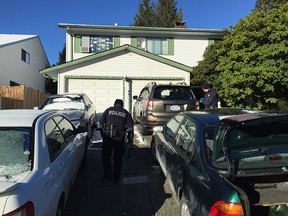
x=102 y=93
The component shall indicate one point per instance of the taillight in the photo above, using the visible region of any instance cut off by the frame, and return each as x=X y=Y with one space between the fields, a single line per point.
x=197 y=105
x=26 y=210
x=222 y=208
x=149 y=104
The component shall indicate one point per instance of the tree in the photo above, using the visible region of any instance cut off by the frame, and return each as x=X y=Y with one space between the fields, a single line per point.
x=62 y=56
x=146 y=14
x=50 y=84
x=205 y=71
x=166 y=12
x=253 y=60
x=267 y=5
x=179 y=16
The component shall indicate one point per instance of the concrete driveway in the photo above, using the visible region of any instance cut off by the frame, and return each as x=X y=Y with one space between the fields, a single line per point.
x=142 y=191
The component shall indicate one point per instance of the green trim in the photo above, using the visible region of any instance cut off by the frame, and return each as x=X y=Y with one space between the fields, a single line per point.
x=210 y=42
x=77 y=43
x=156 y=78
x=136 y=29
x=170 y=46
x=134 y=41
x=93 y=77
x=121 y=77
x=124 y=48
x=116 y=41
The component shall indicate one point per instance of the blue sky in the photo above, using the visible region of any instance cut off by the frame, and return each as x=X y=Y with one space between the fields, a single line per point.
x=41 y=17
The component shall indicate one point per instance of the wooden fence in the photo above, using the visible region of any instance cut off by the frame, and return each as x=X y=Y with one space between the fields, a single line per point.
x=20 y=97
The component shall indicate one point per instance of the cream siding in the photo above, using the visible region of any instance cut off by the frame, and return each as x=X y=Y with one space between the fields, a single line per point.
x=128 y=64
x=187 y=51
x=137 y=68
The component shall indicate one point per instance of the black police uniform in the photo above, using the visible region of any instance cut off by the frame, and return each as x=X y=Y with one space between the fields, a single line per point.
x=115 y=122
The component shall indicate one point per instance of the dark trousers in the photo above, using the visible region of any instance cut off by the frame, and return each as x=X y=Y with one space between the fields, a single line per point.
x=110 y=145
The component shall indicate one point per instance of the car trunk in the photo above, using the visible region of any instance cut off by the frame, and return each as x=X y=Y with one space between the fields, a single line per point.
x=260 y=195
x=253 y=158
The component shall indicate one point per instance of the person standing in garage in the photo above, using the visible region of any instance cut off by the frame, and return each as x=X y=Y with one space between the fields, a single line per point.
x=114 y=124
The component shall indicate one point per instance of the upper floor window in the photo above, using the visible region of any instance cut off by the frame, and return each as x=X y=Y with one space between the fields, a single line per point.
x=157 y=46
x=96 y=44
x=25 y=56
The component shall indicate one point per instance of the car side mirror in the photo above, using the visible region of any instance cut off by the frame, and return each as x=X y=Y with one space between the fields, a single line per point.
x=81 y=129
x=135 y=97
x=158 y=129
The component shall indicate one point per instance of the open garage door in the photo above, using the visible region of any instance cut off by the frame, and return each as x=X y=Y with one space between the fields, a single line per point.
x=102 y=92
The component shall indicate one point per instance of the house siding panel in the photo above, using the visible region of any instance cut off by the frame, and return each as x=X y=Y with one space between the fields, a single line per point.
x=16 y=70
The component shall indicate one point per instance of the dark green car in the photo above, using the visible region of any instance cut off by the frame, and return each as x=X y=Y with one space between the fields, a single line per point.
x=222 y=163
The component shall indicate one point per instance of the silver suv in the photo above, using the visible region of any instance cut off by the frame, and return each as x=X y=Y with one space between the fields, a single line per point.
x=157 y=103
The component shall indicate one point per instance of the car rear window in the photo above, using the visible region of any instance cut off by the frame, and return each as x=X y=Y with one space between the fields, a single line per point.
x=173 y=93
x=64 y=103
x=14 y=151
x=256 y=144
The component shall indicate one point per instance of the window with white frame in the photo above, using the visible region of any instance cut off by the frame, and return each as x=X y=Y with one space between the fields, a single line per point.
x=25 y=56
x=158 y=46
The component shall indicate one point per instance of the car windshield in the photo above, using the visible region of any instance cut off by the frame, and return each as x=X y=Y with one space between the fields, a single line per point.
x=64 y=103
x=15 y=151
x=172 y=93
x=253 y=144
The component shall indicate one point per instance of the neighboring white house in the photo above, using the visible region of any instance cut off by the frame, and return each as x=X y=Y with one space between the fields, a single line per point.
x=110 y=62
x=21 y=59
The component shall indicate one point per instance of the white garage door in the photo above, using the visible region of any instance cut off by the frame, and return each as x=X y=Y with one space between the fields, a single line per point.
x=103 y=93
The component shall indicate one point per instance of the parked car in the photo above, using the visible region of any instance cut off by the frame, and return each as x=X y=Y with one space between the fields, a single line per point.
x=76 y=106
x=40 y=153
x=225 y=164
x=157 y=103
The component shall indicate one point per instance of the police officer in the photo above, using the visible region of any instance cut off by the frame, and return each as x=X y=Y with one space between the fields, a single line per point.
x=114 y=124
x=211 y=97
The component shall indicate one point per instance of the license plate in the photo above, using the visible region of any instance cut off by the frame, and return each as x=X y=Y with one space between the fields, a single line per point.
x=174 y=108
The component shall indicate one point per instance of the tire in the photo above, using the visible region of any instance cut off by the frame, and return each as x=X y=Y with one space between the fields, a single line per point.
x=184 y=208
x=60 y=207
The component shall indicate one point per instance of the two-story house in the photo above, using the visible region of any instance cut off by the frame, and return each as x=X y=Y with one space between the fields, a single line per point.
x=21 y=59
x=109 y=62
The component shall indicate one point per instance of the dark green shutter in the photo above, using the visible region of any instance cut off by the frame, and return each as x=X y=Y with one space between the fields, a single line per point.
x=134 y=41
x=170 y=46
x=116 y=41
x=210 y=42
x=77 y=43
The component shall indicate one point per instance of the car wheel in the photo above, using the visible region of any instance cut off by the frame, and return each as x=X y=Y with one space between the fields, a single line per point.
x=144 y=130
x=60 y=208
x=184 y=207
